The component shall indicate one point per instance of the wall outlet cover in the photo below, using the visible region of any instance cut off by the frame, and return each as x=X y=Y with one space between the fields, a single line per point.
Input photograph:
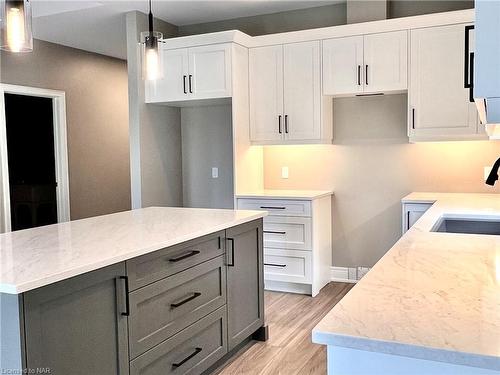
x=284 y=172
x=215 y=172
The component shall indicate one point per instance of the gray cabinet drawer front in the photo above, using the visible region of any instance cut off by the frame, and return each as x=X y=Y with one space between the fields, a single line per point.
x=161 y=309
x=149 y=268
x=277 y=207
x=193 y=350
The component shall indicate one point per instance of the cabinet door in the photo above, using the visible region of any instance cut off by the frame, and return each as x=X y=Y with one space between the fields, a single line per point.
x=266 y=93
x=412 y=212
x=302 y=91
x=386 y=62
x=210 y=71
x=76 y=326
x=245 y=281
x=343 y=66
x=174 y=84
x=439 y=106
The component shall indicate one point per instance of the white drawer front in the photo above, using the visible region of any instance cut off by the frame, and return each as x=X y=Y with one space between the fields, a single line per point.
x=277 y=207
x=287 y=233
x=287 y=265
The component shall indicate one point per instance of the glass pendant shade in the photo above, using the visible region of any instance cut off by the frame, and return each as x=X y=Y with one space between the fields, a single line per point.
x=152 y=67
x=15 y=26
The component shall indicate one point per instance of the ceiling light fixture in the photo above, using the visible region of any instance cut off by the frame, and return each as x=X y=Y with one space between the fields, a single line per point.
x=15 y=26
x=151 y=54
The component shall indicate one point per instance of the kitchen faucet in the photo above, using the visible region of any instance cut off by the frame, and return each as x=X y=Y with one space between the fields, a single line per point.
x=493 y=176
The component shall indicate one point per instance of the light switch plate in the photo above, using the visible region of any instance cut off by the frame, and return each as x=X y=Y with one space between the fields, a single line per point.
x=215 y=172
x=284 y=172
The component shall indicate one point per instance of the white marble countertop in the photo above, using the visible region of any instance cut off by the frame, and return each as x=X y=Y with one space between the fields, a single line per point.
x=40 y=256
x=286 y=194
x=433 y=296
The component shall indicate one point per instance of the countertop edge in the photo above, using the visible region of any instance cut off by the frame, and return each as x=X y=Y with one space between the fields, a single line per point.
x=406 y=350
x=26 y=287
x=279 y=196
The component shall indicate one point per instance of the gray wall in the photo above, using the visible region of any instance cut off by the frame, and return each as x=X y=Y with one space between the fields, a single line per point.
x=155 y=131
x=324 y=16
x=96 y=110
x=206 y=143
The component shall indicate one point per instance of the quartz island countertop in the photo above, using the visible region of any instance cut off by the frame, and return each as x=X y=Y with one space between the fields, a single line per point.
x=40 y=256
x=432 y=296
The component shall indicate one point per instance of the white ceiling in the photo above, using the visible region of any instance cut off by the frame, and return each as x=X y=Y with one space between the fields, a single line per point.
x=99 y=26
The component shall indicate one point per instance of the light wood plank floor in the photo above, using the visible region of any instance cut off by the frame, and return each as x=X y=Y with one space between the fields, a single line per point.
x=289 y=350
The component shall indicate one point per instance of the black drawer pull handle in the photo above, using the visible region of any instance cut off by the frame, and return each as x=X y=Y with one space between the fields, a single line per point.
x=179 y=364
x=275 y=265
x=272 y=208
x=190 y=84
x=184 y=84
x=273 y=232
x=127 y=298
x=185 y=300
x=232 y=252
x=184 y=256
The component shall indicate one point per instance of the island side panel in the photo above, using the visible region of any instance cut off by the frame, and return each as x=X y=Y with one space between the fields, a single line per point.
x=12 y=354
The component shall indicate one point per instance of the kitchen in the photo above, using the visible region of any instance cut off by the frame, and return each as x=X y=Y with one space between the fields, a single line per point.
x=328 y=163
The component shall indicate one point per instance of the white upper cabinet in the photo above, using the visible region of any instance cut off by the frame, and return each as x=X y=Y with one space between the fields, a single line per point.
x=439 y=105
x=285 y=95
x=195 y=73
x=365 y=64
x=266 y=93
x=386 y=62
x=343 y=66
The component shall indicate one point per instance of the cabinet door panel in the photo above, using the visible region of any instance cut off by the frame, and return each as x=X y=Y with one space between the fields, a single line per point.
x=302 y=91
x=266 y=93
x=210 y=70
x=439 y=103
x=76 y=326
x=385 y=58
x=173 y=85
x=343 y=66
x=245 y=281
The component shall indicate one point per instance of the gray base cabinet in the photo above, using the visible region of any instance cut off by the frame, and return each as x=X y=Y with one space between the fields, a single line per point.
x=177 y=310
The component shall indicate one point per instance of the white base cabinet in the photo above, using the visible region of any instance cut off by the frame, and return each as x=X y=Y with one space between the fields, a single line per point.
x=412 y=212
x=297 y=242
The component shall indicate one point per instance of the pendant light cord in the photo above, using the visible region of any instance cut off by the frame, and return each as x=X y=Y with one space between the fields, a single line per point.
x=150 y=19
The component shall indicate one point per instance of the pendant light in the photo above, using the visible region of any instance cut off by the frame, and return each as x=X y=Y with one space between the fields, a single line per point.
x=15 y=26
x=151 y=54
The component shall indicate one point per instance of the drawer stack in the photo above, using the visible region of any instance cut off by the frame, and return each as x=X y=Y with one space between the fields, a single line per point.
x=292 y=243
x=177 y=308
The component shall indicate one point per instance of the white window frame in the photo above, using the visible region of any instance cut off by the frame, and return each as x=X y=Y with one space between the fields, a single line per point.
x=60 y=150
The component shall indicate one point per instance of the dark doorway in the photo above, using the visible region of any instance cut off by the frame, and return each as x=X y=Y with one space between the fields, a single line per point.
x=31 y=160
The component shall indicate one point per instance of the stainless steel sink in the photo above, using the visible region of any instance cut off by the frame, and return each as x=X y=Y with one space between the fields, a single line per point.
x=469 y=226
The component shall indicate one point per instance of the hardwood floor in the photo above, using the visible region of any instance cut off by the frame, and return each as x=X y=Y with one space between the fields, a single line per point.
x=289 y=350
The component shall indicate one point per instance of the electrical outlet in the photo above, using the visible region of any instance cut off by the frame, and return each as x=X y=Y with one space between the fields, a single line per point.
x=362 y=271
x=487 y=171
x=352 y=273
x=284 y=172
x=215 y=172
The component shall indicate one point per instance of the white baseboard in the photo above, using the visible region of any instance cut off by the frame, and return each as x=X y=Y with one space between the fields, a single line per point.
x=342 y=275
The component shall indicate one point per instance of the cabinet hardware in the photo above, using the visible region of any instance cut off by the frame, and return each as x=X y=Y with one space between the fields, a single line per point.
x=220 y=242
x=359 y=75
x=272 y=208
x=279 y=124
x=232 y=252
x=366 y=74
x=275 y=265
x=408 y=220
x=184 y=256
x=184 y=83
x=372 y=94
x=185 y=300
x=413 y=118
x=273 y=232
x=127 y=298
x=190 y=83
x=179 y=364
x=286 y=124
x=471 y=86
x=467 y=76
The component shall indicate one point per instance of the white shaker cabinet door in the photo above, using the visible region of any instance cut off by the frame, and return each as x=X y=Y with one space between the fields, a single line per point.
x=439 y=106
x=343 y=66
x=302 y=91
x=266 y=94
x=385 y=62
x=210 y=71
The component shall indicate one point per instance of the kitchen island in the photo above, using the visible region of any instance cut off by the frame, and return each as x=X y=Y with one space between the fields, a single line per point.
x=148 y=291
x=431 y=305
